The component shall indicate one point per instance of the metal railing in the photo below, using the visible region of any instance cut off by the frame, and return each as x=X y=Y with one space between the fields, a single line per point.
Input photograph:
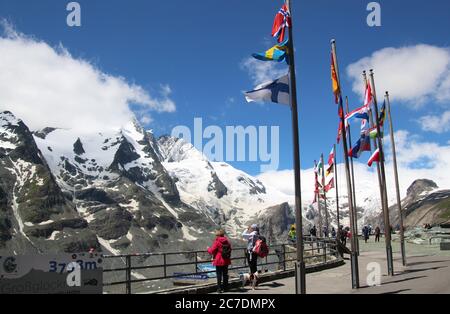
x=318 y=250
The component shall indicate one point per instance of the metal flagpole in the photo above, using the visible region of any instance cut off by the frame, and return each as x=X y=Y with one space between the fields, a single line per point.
x=319 y=207
x=325 y=196
x=387 y=227
x=300 y=273
x=337 y=188
x=397 y=186
x=375 y=145
x=354 y=256
x=352 y=169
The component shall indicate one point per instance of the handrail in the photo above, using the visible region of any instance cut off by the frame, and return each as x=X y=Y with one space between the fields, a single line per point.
x=321 y=245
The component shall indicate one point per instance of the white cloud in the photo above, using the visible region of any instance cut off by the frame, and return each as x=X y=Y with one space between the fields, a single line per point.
x=438 y=124
x=411 y=74
x=417 y=159
x=262 y=72
x=46 y=86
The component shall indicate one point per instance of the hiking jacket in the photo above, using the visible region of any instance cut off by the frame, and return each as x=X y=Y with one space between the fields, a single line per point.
x=216 y=252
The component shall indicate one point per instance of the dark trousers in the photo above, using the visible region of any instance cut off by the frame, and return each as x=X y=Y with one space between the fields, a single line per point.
x=222 y=277
x=252 y=259
x=377 y=238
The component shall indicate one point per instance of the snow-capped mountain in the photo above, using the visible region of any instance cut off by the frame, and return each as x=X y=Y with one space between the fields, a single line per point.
x=124 y=191
x=131 y=192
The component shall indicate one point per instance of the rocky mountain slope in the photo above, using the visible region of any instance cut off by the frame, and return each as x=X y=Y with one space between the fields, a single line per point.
x=424 y=204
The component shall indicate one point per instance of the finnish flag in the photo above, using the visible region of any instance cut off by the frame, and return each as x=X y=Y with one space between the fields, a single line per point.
x=276 y=92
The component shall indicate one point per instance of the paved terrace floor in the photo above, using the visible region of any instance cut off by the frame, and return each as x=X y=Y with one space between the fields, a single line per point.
x=428 y=272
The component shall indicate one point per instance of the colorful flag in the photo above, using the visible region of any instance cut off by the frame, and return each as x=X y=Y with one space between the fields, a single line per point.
x=276 y=92
x=373 y=133
x=276 y=53
x=368 y=96
x=331 y=157
x=363 y=145
x=374 y=158
x=382 y=117
x=335 y=81
x=330 y=185
x=341 y=125
x=282 y=21
x=360 y=113
x=330 y=168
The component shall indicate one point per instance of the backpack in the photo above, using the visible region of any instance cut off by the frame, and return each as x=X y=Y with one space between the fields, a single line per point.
x=261 y=248
x=226 y=251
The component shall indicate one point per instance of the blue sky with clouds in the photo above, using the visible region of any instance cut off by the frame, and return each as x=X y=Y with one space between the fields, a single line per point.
x=195 y=55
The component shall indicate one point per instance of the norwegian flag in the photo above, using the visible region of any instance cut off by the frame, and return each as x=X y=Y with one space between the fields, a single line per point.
x=282 y=20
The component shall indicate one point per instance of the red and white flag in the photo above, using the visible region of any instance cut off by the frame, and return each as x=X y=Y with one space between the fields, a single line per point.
x=374 y=158
x=368 y=96
x=331 y=158
x=282 y=21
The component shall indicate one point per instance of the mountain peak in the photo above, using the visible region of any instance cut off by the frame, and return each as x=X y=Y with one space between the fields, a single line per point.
x=420 y=186
x=8 y=118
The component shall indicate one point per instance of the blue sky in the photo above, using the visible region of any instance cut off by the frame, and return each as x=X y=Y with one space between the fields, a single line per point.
x=198 y=48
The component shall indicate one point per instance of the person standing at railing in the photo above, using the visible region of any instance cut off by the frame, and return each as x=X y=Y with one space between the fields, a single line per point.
x=292 y=235
x=221 y=252
x=251 y=235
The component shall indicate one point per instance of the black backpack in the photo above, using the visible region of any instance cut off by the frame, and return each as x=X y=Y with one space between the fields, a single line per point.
x=226 y=251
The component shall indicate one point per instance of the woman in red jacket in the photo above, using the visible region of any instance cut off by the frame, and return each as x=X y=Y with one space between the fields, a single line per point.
x=221 y=252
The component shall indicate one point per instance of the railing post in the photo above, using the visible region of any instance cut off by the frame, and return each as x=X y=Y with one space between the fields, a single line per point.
x=165 y=265
x=128 y=274
x=326 y=247
x=196 y=262
x=284 y=257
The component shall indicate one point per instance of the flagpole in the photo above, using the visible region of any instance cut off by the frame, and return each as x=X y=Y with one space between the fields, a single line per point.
x=387 y=227
x=375 y=144
x=300 y=273
x=397 y=185
x=325 y=196
x=319 y=207
x=337 y=187
x=354 y=256
x=353 y=183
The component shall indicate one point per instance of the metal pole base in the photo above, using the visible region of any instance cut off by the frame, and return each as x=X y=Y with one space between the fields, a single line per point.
x=300 y=278
x=355 y=272
x=403 y=248
x=390 y=260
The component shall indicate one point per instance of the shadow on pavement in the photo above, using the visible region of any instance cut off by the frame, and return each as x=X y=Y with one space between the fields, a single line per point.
x=397 y=291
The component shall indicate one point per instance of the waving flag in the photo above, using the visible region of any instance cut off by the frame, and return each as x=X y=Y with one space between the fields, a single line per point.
x=331 y=157
x=360 y=113
x=341 y=124
x=374 y=158
x=373 y=133
x=334 y=81
x=330 y=185
x=368 y=96
x=363 y=145
x=330 y=168
x=282 y=21
x=276 y=53
x=276 y=92
x=382 y=117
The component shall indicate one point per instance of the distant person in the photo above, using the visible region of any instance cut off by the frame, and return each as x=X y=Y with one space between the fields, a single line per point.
x=292 y=236
x=325 y=231
x=313 y=233
x=366 y=233
x=252 y=235
x=221 y=252
x=377 y=234
x=343 y=236
x=333 y=233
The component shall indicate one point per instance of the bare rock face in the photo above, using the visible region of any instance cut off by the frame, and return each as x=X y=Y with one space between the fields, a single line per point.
x=421 y=186
x=275 y=222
